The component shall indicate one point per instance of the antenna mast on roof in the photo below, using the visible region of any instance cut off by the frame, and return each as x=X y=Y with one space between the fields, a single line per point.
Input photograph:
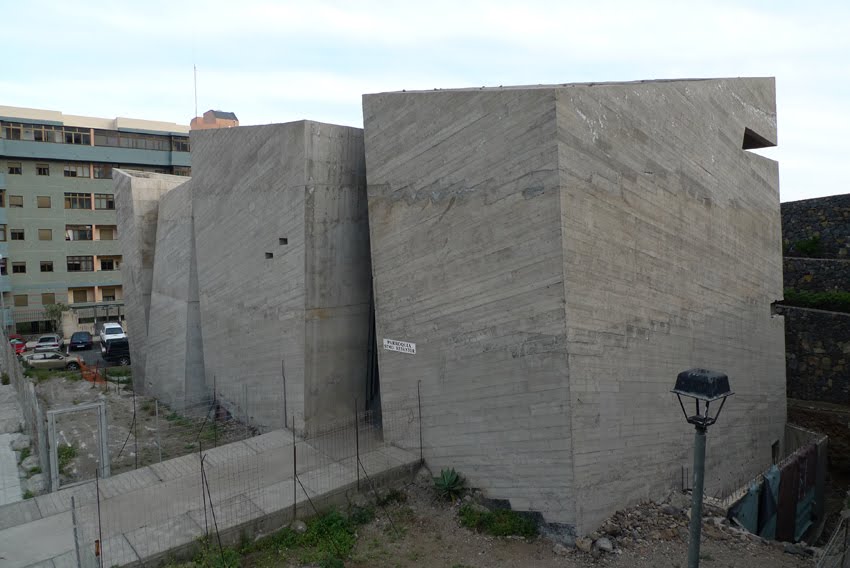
x=195 y=68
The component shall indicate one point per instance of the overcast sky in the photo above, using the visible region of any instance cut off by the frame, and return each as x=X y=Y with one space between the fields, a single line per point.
x=277 y=61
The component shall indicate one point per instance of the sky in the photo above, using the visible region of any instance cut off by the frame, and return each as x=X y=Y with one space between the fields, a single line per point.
x=277 y=61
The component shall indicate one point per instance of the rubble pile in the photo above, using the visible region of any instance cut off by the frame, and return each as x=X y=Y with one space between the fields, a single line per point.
x=650 y=523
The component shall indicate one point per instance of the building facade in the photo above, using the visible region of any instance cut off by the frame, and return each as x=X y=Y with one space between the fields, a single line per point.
x=214 y=119
x=59 y=239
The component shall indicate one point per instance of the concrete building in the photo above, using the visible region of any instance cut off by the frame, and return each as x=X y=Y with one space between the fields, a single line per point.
x=59 y=237
x=214 y=119
x=259 y=273
x=556 y=255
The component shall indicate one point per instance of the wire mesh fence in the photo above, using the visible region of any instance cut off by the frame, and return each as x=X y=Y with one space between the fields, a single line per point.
x=237 y=482
x=836 y=553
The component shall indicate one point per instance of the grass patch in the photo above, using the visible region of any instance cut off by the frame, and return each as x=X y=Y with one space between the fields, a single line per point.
x=25 y=453
x=502 y=522
x=28 y=494
x=34 y=471
x=832 y=301
x=120 y=371
x=179 y=420
x=66 y=454
x=41 y=375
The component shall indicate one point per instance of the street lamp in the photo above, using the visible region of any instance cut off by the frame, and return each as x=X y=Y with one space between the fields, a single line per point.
x=706 y=386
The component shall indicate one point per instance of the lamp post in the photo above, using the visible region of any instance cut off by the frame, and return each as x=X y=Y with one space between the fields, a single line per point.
x=706 y=386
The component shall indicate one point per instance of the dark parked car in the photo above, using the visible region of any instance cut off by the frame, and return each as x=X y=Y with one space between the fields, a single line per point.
x=117 y=351
x=80 y=340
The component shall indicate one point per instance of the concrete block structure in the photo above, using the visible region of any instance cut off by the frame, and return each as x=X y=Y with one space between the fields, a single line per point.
x=261 y=278
x=557 y=254
x=137 y=198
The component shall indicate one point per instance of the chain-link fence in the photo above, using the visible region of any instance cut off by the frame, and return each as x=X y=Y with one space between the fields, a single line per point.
x=239 y=489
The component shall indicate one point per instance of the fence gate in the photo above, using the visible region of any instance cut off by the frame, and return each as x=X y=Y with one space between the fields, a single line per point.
x=86 y=436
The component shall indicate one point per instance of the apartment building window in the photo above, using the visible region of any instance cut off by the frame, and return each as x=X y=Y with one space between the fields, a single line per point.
x=42 y=169
x=46 y=133
x=181 y=171
x=180 y=144
x=48 y=299
x=2 y=198
x=107 y=234
x=75 y=135
x=21 y=301
x=45 y=234
x=78 y=201
x=3 y=271
x=14 y=168
x=43 y=201
x=104 y=201
x=106 y=138
x=102 y=171
x=108 y=294
x=80 y=264
x=19 y=268
x=12 y=130
x=107 y=263
x=47 y=266
x=16 y=234
x=16 y=201
x=80 y=296
x=76 y=170
x=2 y=233
x=78 y=233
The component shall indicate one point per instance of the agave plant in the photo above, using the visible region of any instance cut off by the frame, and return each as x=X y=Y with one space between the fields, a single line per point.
x=449 y=484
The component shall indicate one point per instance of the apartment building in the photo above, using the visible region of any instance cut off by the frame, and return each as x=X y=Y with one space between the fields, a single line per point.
x=59 y=239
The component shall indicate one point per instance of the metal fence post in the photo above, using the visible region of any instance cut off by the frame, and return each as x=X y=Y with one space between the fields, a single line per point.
x=419 y=402
x=357 y=443
x=294 y=474
x=158 y=443
x=245 y=402
x=76 y=533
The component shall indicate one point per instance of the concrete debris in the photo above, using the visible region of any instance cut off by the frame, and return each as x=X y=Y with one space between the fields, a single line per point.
x=298 y=526
x=584 y=544
x=560 y=550
x=37 y=484
x=20 y=442
x=603 y=545
x=29 y=463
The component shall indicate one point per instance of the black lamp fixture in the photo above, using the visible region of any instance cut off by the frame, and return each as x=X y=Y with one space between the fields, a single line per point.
x=703 y=386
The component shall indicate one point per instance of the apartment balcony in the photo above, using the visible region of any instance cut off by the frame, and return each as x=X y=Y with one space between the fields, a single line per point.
x=93 y=278
x=91 y=248
x=81 y=153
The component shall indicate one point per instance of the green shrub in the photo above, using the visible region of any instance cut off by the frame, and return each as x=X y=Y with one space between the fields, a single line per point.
x=28 y=494
x=66 y=453
x=449 y=484
x=809 y=247
x=25 y=453
x=832 y=301
x=502 y=522
x=34 y=470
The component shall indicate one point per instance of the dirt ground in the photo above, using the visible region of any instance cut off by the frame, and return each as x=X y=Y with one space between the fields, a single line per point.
x=132 y=442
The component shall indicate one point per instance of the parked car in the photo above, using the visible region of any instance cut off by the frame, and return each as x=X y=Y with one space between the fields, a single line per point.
x=80 y=340
x=48 y=342
x=19 y=345
x=110 y=330
x=52 y=360
x=116 y=351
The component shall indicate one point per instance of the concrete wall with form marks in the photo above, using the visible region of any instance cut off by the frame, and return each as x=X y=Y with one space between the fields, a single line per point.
x=558 y=254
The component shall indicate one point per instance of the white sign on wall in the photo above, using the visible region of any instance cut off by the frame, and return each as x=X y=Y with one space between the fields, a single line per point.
x=400 y=346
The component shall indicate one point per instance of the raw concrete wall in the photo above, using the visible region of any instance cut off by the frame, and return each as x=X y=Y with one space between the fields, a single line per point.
x=558 y=254
x=137 y=196
x=673 y=256
x=175 y=368
x=274 y=205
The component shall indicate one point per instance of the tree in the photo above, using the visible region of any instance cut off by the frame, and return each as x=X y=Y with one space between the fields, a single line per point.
x=54 y=313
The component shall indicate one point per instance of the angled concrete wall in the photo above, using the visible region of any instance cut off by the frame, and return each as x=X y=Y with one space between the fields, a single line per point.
x=558 y=254
x=174 y=369
x=283 y=268
x=137 y=196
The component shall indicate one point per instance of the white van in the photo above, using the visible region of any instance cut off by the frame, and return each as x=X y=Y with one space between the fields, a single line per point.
x=110 y=330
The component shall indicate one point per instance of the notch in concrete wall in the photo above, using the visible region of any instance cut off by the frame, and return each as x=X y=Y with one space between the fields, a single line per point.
x=753 y=141
x=283 y=241
x=269 y=255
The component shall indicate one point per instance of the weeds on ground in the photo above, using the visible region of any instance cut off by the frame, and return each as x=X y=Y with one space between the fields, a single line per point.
x=392 y=496
x=66 y=453
x=838 y=301
x=25 y=453
x=4 y=378
x=502 y=522
x=327 y=542
x=33 y=471
x=41 y=375
x=28 y=494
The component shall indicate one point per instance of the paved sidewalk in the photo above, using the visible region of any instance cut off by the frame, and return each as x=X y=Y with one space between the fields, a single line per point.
x=11 y=421
x=146 y=513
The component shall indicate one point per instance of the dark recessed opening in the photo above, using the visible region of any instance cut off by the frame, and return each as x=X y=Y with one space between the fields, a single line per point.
x=753 y=141
x=283 y=241
x=774 y=452
x=269 y=255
